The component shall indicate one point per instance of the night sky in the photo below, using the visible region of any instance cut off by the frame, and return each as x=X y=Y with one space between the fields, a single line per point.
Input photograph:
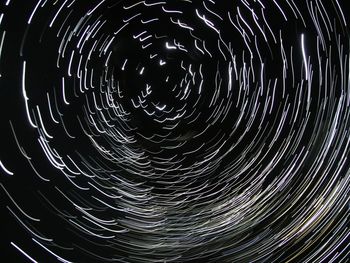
x=174 y=131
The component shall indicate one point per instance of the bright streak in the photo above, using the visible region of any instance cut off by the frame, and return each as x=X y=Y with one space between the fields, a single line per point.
x=5 y=169
x=25 y=95
x=32 y=14
x=304 y=56
x=24 y=253
x=59 y=10
x=123 y=67
x=42 y=123
x=169 y=46
x=91 y=11
x=64 y=92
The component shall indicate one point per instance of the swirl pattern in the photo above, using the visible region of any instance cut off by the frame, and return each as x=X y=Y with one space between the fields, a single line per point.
x=175 y=131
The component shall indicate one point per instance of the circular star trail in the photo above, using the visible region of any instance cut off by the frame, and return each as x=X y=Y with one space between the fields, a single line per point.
x=175 y=131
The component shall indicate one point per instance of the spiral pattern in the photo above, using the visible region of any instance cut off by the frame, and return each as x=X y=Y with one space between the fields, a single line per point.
x=175 y=131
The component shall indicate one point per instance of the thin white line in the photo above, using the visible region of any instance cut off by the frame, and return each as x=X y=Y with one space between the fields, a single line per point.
x=24 y=253
x=304 y=56
x=5 y=169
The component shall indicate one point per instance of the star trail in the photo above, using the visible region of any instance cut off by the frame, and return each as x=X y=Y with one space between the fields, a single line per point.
x=174 y=131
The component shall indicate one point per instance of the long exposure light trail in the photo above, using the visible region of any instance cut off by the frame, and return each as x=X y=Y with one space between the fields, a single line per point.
x=175 y=131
